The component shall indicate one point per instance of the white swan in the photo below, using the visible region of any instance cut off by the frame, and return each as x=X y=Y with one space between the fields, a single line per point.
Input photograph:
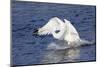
x=62 y=31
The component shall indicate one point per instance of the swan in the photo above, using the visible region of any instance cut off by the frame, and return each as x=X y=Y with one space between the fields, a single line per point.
x=62 y=30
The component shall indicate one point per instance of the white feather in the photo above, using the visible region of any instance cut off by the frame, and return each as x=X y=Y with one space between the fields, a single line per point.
x=72 y=34
x=53 y=24
x=66 y=32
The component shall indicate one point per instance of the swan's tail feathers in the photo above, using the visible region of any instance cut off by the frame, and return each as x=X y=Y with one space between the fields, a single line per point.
x=82 y=41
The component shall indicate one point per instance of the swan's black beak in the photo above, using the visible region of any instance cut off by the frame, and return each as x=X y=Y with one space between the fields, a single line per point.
x=35 y=32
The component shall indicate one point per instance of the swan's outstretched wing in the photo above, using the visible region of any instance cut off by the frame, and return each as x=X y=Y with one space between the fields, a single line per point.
x=70 y=28
x=53 y=24
x=72 y=34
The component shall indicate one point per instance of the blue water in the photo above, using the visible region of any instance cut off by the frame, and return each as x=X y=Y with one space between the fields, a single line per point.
x=29 y=49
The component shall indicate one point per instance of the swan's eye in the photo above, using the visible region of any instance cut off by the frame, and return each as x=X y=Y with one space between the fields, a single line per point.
x=57 y=31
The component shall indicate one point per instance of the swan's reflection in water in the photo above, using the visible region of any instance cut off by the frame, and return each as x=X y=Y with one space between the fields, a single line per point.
x=60 y=51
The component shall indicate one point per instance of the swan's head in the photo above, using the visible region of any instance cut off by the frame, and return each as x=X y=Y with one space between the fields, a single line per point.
x=43 y=31
x=53 y=26
x=47 y=31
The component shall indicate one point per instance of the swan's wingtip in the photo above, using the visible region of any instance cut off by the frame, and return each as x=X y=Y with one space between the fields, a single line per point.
x=55 y=18
x=66 y=20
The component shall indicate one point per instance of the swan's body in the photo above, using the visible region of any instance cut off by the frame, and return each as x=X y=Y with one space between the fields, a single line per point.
x=61 y=30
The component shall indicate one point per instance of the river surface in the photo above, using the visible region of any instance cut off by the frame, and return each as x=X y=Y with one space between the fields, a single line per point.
x=29 y=49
